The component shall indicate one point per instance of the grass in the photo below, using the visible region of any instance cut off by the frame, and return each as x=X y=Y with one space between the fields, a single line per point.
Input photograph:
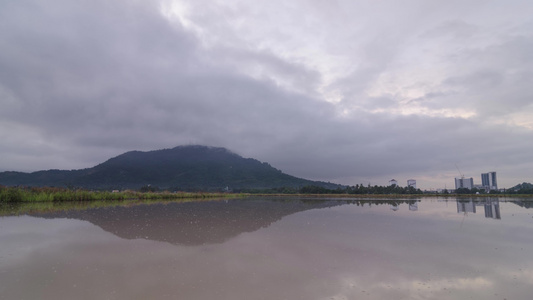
x=48 y=194
x=23 y=208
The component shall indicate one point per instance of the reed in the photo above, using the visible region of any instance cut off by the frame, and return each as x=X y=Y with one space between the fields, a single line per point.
x=24 y=208
x=49 y=194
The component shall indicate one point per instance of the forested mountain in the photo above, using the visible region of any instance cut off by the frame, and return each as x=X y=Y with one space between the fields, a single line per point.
x=522 y=188
x=179 y=168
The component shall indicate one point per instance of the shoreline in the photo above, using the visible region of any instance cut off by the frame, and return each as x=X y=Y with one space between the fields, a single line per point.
x=49 y=194
x=396 y=195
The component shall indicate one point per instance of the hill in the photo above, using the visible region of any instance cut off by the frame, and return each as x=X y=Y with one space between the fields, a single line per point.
x=179 y=168
x=522 y=186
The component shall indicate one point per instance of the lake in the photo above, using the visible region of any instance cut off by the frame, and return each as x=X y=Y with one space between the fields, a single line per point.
x=271 y=248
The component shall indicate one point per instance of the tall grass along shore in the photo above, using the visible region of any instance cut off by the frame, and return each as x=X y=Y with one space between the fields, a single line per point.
x=49 y=194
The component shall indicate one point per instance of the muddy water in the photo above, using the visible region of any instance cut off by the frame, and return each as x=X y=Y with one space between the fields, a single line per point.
x=272 y=249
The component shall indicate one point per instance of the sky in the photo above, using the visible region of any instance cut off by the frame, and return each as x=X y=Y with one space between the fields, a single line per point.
x=351 y=92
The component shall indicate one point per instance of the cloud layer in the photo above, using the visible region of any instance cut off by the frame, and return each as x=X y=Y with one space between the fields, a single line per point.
x=350 y=92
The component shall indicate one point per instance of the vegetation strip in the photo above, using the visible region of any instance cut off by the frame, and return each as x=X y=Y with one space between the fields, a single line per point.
x=48 y=194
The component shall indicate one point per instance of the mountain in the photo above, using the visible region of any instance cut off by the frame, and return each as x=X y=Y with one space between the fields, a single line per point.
x=522 y=186
x=179 y=168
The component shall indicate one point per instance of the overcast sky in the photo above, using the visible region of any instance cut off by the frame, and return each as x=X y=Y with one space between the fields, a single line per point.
x=343 y=91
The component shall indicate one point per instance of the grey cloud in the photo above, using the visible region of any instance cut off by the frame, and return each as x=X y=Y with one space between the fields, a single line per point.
x=267 y=66
x=458 y=29
x=494 y=79
x=85 y=81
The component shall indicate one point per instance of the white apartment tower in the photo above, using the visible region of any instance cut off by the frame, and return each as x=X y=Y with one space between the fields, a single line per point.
x=464 y=183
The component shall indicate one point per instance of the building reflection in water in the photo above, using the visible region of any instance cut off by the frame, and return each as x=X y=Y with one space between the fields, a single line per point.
x=490 y=205
x=492 y=209
x=413 y=205
x=466 y=207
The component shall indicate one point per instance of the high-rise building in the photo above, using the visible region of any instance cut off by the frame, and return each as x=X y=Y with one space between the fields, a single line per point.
x=488 y=181
x=464 y=183
x=411 y=183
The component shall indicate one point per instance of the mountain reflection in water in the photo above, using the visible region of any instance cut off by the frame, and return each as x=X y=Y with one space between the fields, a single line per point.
x=191 y=223
x=197 y=223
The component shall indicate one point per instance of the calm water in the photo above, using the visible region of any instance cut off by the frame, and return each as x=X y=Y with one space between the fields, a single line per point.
x=272 y=249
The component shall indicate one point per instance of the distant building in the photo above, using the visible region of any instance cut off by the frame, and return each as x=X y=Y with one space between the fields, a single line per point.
x=393 y=182
x=488 y=181
x=411 y=183
x=464 y=183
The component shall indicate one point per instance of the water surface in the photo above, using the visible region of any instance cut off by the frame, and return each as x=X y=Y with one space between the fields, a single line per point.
x=284 y=248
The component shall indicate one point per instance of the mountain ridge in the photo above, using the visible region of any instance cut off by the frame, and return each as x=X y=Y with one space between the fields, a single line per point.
x=192 y=167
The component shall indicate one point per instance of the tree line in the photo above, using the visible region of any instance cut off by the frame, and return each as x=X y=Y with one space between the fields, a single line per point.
x=350 y=190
